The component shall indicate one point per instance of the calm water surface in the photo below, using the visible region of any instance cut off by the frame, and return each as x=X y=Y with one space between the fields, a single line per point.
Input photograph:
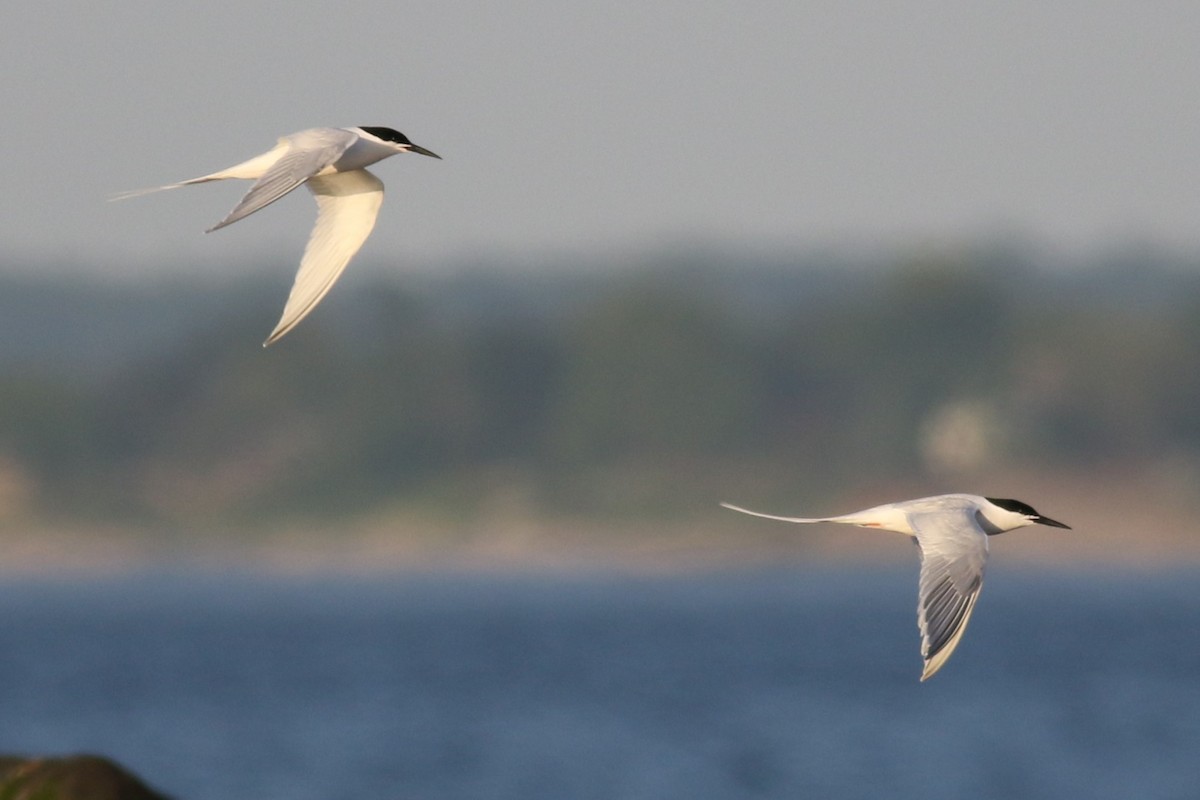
x=769 y=684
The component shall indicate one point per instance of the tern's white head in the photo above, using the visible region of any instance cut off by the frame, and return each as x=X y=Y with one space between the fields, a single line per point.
x=998 y=515
x=394 y=138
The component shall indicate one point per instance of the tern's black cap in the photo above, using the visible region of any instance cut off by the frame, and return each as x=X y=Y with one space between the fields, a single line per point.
x=1025 y=510
x=387 y=134
x=396 y=137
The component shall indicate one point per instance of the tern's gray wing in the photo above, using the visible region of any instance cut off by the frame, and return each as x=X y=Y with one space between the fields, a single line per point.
x=347 y=205
x=308 y=153
x=953 y=555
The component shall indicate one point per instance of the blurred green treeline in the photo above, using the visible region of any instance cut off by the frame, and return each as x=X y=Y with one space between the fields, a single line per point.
x=646 y=389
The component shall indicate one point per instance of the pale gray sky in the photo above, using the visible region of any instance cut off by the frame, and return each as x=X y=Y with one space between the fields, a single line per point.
x=615 y=124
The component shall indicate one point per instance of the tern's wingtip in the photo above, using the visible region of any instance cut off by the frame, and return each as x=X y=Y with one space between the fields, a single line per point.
x=277 y=334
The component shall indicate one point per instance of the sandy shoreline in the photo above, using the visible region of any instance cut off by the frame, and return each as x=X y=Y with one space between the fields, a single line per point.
x=645 y=548
x=1126 y=520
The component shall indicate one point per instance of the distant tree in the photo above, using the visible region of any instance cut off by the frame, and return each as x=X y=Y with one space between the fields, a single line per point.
x=651 y=371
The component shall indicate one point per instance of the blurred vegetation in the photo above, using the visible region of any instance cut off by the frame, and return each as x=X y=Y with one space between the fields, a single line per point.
x=639 y=391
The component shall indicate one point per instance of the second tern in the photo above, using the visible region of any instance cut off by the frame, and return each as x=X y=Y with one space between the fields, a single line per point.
x=951 y=532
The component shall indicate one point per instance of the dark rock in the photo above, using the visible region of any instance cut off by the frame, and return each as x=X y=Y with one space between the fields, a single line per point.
x=80 y=777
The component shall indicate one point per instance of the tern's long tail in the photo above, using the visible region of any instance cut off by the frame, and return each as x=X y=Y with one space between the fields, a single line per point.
x=732 y=507
x=251 y=169
x=153 y=189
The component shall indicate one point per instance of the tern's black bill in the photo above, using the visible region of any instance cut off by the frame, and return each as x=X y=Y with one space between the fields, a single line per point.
x=416 y=148
x=1053 y=523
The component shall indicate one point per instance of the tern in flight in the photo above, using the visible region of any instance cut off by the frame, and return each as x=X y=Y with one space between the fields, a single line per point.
x=951 y=532
x=331 y=163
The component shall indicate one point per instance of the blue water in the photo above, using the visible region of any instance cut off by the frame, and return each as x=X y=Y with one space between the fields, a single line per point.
x=769 y=684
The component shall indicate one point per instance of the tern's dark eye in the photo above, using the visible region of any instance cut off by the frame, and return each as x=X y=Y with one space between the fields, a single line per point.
x=387 y=134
